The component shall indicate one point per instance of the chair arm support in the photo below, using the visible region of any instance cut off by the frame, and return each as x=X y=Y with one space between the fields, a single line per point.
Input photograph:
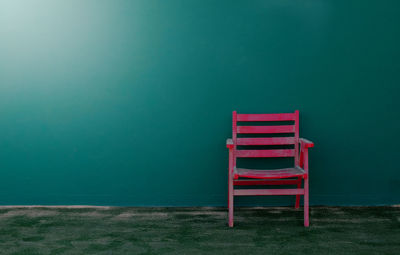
x=229 y=143
x=304 y=143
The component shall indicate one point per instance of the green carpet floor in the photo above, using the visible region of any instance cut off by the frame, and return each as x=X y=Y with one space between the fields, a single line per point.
x=115 y=230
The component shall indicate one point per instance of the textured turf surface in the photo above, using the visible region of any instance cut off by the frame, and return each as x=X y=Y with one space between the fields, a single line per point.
x=333 y=230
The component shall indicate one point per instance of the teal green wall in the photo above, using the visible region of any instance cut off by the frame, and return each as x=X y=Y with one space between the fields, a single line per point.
x=129 y=102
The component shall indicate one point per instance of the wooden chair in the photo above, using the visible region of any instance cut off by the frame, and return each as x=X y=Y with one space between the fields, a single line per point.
x=273 y=136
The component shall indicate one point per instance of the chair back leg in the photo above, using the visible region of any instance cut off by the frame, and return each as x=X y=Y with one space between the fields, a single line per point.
x=297 y=205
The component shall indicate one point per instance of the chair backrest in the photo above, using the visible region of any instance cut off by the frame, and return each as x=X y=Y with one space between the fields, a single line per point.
x=268 y=131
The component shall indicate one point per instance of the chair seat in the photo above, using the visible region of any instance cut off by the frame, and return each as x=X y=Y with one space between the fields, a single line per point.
x=269 y=174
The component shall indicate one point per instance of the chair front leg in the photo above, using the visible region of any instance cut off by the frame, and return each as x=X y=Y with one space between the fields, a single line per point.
x=230 y=200
x=304 y=145
x=306 y=190
x=230 y=189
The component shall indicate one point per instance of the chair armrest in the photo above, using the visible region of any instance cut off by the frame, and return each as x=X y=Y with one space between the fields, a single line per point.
x=229 y=143
x=304 y=143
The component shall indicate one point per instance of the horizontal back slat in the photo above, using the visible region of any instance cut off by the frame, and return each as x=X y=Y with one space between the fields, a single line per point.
x=265 y=129
x=264 y=153
x=266 y=117
x=265 y=141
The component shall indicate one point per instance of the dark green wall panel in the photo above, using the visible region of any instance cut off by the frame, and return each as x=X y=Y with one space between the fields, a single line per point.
x=129 y=102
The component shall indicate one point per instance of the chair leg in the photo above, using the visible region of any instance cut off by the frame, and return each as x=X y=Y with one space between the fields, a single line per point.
x=230 y=201
x=306 y=203
x=297 y=205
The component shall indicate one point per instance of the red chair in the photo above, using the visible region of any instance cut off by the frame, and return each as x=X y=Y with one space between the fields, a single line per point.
x=268 y=135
